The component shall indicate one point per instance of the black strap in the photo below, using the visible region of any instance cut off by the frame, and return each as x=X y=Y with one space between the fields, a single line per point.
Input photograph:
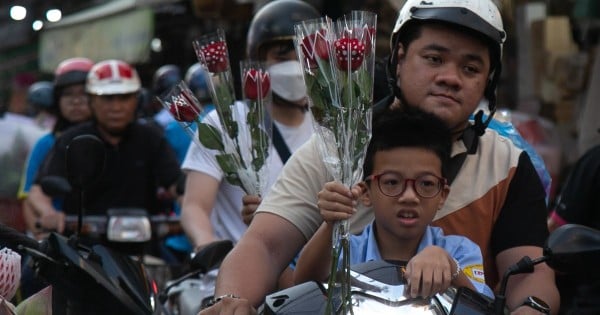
x=456 y=163
x=471 y=141
x=280 y=145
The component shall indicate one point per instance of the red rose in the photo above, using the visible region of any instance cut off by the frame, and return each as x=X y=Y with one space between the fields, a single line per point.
x=367 y=36
x=313 y=46
x=369 y=39
x=215 y=56
x=182 y=110
x=349 y=51
x=251 y=80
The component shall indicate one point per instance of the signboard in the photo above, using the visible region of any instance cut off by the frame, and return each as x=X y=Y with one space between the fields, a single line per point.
x=125 y=36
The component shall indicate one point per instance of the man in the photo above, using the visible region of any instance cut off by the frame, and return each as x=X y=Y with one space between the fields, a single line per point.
x=211 y=206
x=138 y=158
x=445 y=59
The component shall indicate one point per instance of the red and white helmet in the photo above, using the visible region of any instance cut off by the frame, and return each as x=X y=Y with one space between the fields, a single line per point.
x=110 y=77
x=72 y=71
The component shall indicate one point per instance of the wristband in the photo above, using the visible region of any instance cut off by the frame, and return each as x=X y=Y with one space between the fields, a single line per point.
x=457 y=271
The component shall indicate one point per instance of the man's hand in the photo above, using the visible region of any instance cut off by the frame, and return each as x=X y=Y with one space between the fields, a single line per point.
x=51 y=221
x=249 y=205
x=337 y=202
x=230 y=306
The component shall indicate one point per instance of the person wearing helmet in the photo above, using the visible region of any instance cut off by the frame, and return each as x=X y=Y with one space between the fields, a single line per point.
x=446 y=58
x=66 y=97
x=163 y=80
x=40 y=98
x=139 y=161
x=211 y=206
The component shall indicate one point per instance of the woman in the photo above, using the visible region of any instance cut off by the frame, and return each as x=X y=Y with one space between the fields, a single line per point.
x=72 y=108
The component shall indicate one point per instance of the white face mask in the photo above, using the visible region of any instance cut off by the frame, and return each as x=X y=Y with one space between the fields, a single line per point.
x=287 y=80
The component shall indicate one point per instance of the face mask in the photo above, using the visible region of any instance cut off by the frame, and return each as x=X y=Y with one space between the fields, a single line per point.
x=287 y=80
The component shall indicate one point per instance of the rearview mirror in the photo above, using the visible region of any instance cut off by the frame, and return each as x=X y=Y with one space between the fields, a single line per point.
x=573 y=248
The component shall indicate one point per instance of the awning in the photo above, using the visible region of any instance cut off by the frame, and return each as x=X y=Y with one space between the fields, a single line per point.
x=117 y=30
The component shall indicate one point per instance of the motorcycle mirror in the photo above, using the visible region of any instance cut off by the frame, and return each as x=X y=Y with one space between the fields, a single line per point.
x=211 y=255
x=55 y=186
x=85 y=160
x=573 y=248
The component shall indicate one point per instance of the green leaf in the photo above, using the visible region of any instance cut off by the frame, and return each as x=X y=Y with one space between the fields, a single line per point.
x=226 y=99
x=252 y=118
x=260 y=148
x=228 y=165
x=210 y=137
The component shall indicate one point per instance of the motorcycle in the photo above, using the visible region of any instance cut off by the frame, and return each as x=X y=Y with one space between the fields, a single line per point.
x=130 y=231
x=87 y=278
x=378 y=286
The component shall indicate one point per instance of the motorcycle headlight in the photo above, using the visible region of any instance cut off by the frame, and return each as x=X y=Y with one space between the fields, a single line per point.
x=135 y=229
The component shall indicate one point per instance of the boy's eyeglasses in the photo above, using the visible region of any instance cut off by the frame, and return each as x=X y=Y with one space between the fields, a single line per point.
x=393 y=184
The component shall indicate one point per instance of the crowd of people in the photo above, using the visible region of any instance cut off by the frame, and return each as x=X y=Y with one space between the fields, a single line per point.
x=457 y=201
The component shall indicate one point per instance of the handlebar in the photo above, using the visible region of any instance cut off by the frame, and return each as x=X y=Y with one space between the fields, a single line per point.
x=96 y=225
x=162 y=225
x=16 y=240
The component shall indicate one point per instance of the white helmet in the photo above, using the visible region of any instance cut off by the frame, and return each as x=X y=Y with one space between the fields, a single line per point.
x=110 y=77
x=480 y=16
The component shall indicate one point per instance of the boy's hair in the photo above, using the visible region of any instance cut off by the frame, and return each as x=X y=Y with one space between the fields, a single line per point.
x=408 y=127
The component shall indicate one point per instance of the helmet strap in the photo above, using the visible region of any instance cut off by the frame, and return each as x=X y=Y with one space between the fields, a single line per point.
x=490 y=94
x=391 y=72
x=480 y=125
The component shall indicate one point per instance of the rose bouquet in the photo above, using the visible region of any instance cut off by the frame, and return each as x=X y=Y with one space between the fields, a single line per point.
x=237 y=131
x=338 y=60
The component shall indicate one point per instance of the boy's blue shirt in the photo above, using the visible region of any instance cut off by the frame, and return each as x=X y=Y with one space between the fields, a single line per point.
x=363 y=248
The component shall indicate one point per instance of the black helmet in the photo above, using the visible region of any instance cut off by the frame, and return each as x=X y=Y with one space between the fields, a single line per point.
x=275 y=22
x=195 y=78
x=41 y=95
x=165 y=78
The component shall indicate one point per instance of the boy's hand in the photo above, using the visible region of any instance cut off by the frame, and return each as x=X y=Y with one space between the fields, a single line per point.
x=337 y=202
x=227 y=306
x=249 y=205
x=429 y=272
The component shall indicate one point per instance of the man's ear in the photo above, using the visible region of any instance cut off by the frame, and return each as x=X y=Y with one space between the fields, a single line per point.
x=400 y=55
x=365 y=198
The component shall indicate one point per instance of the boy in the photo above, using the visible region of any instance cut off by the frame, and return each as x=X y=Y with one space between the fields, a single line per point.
x=405 y=188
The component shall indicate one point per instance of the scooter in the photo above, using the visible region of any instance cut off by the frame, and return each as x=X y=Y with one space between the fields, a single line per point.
x=86 y=279
x=378 y=286
x=130 y=231
x=191 y=292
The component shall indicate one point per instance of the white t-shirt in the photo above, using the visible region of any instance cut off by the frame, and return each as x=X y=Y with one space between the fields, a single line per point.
x=225 y=218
